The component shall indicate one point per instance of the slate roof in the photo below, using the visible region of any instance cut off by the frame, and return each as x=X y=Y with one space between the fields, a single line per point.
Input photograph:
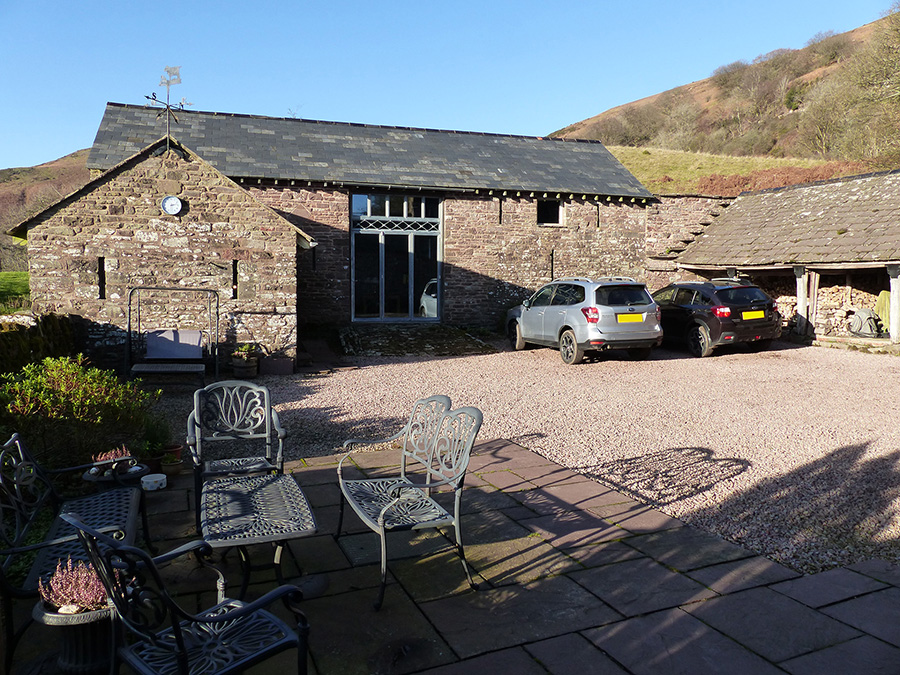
x=843 y=221
x=248 y=146
x=20 y=230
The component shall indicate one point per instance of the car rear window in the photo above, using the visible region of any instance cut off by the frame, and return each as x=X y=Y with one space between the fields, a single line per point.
x=623 y=295
x=742 y=296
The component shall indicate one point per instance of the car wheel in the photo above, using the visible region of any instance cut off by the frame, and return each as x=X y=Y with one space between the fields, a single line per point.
x=699 y=342
x=640 y=353
x=514 y=333
x=569 y=350
x=422 y=311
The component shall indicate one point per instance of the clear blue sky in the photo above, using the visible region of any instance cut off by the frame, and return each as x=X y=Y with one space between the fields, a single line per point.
x=503 y=66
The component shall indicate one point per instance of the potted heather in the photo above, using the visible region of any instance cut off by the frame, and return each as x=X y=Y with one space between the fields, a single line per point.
x=111 y=456
x=74 y=600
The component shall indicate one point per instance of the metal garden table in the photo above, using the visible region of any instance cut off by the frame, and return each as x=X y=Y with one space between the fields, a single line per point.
x=241 y=511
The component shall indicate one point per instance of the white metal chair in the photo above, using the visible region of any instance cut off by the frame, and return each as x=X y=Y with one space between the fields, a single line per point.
x=236 y=416
x=435 y=450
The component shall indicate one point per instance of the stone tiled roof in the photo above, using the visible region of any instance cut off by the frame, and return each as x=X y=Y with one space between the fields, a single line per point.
x=245 y=146
x=853 y=220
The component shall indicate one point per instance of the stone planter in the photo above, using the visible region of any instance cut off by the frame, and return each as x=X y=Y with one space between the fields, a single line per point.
x=84 y=639
x=244 y=368
x=276 y=365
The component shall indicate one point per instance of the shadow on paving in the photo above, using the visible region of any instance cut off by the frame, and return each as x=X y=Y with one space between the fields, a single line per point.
x=574 y=576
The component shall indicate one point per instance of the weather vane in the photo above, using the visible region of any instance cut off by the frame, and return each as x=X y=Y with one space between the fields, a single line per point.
x=172 y=76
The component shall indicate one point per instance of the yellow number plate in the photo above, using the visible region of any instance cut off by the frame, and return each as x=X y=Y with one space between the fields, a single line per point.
x=629 y=318
x=759 y=314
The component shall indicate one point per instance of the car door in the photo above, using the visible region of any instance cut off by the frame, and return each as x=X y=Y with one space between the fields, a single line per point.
x=681 y=313
x=557 y=315
x=533 y=314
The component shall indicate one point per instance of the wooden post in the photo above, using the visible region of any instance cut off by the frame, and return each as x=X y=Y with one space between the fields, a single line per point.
x=802 y=300
x=894 y=329
x=812 y=302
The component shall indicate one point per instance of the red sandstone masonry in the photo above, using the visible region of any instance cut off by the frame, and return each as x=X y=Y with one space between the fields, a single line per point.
x=120 y=221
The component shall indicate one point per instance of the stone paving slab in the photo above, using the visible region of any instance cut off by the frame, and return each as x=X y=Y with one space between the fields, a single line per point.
x=573 y=653
x=640 y=586
x=879 y=569
x=861 y=655
x=739 y=575
x=877 y=613
x=676 y=643
x=829 y=587
x=479 y=622
x=636 y=518
x=569 y=497
x=687 y=548
x=772 y=625
x=575 y=528
x=515 y=660
x=348 y=636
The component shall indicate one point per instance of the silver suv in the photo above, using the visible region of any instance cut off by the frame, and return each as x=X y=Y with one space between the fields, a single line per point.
x=580 y=315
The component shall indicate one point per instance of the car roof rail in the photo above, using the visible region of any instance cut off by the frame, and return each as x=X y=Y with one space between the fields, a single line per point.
x=732 y=280
x=627 y=279
x=572 y=279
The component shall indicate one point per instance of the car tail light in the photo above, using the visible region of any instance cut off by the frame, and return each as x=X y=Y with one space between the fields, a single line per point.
x=592 y=314
x=658 y=315
x=722 y=311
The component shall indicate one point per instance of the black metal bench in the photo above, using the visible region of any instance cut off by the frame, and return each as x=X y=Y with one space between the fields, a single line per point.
x=29 y=503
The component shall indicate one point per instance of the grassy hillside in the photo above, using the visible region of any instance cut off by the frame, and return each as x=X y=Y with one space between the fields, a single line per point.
x=670 y=172
x=835 y=99
x=25 y=191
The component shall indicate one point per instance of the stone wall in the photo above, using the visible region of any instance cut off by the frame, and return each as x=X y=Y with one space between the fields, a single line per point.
x=87 y=253
x=323 y=274
x=672 y=223
x=494 y=251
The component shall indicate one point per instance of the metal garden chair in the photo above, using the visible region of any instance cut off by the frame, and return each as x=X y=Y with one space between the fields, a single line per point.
x=29 y=502
x=236 y=417
x=436 y=446
x=228 y=637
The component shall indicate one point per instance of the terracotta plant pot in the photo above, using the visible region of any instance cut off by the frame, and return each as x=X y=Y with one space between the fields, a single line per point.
x=172 y=468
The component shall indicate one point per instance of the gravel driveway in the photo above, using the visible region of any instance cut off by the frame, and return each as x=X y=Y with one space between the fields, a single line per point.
x=792 y=452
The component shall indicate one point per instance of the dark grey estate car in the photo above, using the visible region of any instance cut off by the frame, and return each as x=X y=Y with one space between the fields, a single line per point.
x=580 y=315
x=706 y=314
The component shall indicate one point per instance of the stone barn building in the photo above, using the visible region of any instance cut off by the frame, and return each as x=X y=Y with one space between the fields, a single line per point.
x=823 y=250
x=299 y=223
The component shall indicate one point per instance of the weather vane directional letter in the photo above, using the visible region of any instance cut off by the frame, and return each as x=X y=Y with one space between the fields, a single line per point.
x=172 y=76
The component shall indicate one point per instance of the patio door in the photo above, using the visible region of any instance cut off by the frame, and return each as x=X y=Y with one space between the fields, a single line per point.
x=395 y=258
x=395 y=276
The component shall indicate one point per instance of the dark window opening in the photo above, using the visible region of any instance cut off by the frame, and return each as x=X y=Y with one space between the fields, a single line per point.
x=101 y=277
x=234 y=279
x=548 y=211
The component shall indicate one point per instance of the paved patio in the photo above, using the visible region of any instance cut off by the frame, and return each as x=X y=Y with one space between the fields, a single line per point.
x=575 y=578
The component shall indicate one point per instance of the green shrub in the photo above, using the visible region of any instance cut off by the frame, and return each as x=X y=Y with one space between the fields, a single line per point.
x=67 y=412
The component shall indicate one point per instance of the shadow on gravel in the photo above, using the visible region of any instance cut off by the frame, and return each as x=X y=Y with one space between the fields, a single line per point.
x=668 y=475
x=835 y=511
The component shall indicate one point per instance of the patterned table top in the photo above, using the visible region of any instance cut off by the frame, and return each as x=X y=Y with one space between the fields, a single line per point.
x=246 y=510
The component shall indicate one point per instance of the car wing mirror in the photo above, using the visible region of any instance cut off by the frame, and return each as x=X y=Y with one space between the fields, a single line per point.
x=526 y=303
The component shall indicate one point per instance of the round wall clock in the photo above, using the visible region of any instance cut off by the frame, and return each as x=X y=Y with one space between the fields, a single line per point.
x=171 y=205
